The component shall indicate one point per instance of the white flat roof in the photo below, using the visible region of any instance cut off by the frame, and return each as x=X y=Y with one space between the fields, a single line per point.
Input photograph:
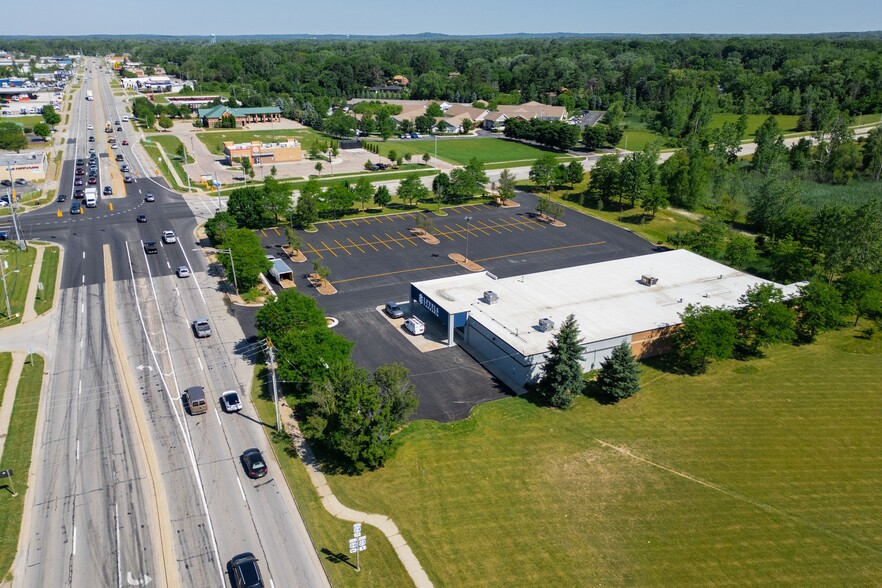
x=606 y=298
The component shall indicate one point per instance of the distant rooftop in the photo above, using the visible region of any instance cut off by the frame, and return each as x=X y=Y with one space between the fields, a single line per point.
x=607 y=298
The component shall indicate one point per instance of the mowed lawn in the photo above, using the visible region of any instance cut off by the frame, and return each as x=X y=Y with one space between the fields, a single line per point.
x=786 y=122
x=461 y=151
x=766 y=472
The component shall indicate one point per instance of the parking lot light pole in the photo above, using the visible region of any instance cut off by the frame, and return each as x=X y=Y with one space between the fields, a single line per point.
x=468 y=220
x=233 y=265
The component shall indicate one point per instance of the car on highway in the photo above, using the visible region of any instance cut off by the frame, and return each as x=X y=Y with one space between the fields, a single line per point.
x=201 y=328
x=118 y=128
x=252 y=461
x=75 y=208
x=81 y=162
x=114 y=146
x=245 y=572
x=6 y=183
x=183 y=271
x=79 y=194
x=91 y=151
x=21 y=182
x=119 y=157
x=168 y=237
x=90 y=127
x=230 y=401
x=108 y=191
x=142 y=218
x=125 y=141
x=124 y=167
x=78 y=182
x=116 y=122
x=61 y=198
x=149 y=197
x=93 y=180
x=91 y=138
x=80 y=172
x=128 y=179
x=393 y=310
x=150 y=247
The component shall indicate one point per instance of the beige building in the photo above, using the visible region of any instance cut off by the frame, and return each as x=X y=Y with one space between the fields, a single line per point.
x=29 y=166
x=257 y=152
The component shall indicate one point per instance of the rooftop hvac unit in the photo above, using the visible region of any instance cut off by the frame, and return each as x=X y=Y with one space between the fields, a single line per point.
x=648 y=280
x=546 y=324
x=491 y=297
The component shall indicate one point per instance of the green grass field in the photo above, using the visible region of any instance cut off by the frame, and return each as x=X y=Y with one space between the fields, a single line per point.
x=18 y=276
x=17 y=457
x=26 y=121
x=760 y=473
x=816 y=195
x=461 y=151
x=785 y=121
x=48 y=274
x=171 y=144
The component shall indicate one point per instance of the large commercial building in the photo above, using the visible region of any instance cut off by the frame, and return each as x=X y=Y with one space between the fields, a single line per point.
x=28 y=166
x=257 y=152
x=508 y=323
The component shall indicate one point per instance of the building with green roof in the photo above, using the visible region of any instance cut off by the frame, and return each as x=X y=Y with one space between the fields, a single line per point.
x=212 y=115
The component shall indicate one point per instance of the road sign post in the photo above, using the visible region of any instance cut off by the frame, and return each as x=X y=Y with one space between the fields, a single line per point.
x=357 y=544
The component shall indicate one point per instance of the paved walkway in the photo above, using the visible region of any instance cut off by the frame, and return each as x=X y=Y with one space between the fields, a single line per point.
x=171 y=168
x=337 y=509
x=29 y=313
x=18 y=361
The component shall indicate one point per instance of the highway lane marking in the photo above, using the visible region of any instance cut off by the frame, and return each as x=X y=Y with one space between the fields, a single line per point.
x=200 y=363
x=242 y=490
x=80 y=388
x=84 y=255
x=217 y=415
x=118 y=553
x=75 y=540
x=78 y=459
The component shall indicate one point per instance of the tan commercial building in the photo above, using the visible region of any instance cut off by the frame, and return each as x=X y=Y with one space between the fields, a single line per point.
x=28 y=166
x=257 y=152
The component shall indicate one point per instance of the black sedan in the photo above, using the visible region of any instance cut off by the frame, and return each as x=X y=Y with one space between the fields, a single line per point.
x=142 y=218
x=61 y=198
x=252 y=461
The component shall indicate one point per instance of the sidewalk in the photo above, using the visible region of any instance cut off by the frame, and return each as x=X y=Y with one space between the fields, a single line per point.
x=337 y=509
x=18 y=361
x=171 y=168
x=29 y=314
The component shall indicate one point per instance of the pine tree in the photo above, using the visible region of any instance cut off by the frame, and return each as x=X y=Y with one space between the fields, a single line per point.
x=562 y=372
x=619 y=375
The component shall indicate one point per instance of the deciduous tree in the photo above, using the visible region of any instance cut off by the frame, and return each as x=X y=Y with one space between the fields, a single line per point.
x=706 y=333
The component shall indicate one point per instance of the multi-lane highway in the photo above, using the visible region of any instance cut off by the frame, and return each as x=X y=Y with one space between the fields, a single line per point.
x=129 y=488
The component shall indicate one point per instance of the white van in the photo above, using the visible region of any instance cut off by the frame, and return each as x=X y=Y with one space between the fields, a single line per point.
x=415 y=326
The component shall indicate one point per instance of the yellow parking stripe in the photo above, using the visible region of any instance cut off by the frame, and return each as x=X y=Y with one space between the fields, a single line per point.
x=369 y=244
x=380 y=241
x=394 y=239
x=355 y=245
x=447 y=232
x=276 y=230
x=491 y=228
x=329 y=249
x=410 y=240
x=262 y=232
x=314 y=250
x=342 y=224
x=343 y=246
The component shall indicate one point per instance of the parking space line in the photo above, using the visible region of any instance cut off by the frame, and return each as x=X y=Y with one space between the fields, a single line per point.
x=449 y=230
x=404 y=271
x=502 y=225
x=331 y=225
x=381 y=242
x=527 y=224
x=314 y=250
x=469 y=230
x=379 y=219
x=368 y=244
x=561 y=248
x=491 y=228
x=262 y=232
x=401 y=217
x=366 y=220
x=355 y=245
x=474 y=226
x=343 y=246
x=276 y=229
x=329 y=249
x=394 y=239
x=410 y=240
x=342 y=224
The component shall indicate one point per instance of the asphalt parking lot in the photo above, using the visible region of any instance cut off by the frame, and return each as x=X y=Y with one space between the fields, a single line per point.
x=373 y=260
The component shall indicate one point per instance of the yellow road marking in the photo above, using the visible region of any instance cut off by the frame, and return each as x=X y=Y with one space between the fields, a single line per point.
x=343 y=246
x=369 y=244
x=394 y=239
x=262 y=232
x=355 y=245
x=329 y=249
x=378 y=240
x=491 y=228
x=276 y=230
x=445 y=233
x=410 y=240
x=314 y=250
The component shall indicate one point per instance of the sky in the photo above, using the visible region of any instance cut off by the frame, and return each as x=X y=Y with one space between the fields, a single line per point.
x=454 y=17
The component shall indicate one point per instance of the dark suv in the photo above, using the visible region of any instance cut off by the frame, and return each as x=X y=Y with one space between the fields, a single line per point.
x=245 y=572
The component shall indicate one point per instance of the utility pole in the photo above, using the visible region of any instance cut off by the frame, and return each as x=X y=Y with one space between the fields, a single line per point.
x=272 y=366
x=232 y=265
x=217 y=189
x=5 y=289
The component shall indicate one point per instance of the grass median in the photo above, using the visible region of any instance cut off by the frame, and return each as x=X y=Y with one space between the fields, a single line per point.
x=45 y=298
x=18 y=268
x=380 y=565
x=767 y=471
x=17 y=457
